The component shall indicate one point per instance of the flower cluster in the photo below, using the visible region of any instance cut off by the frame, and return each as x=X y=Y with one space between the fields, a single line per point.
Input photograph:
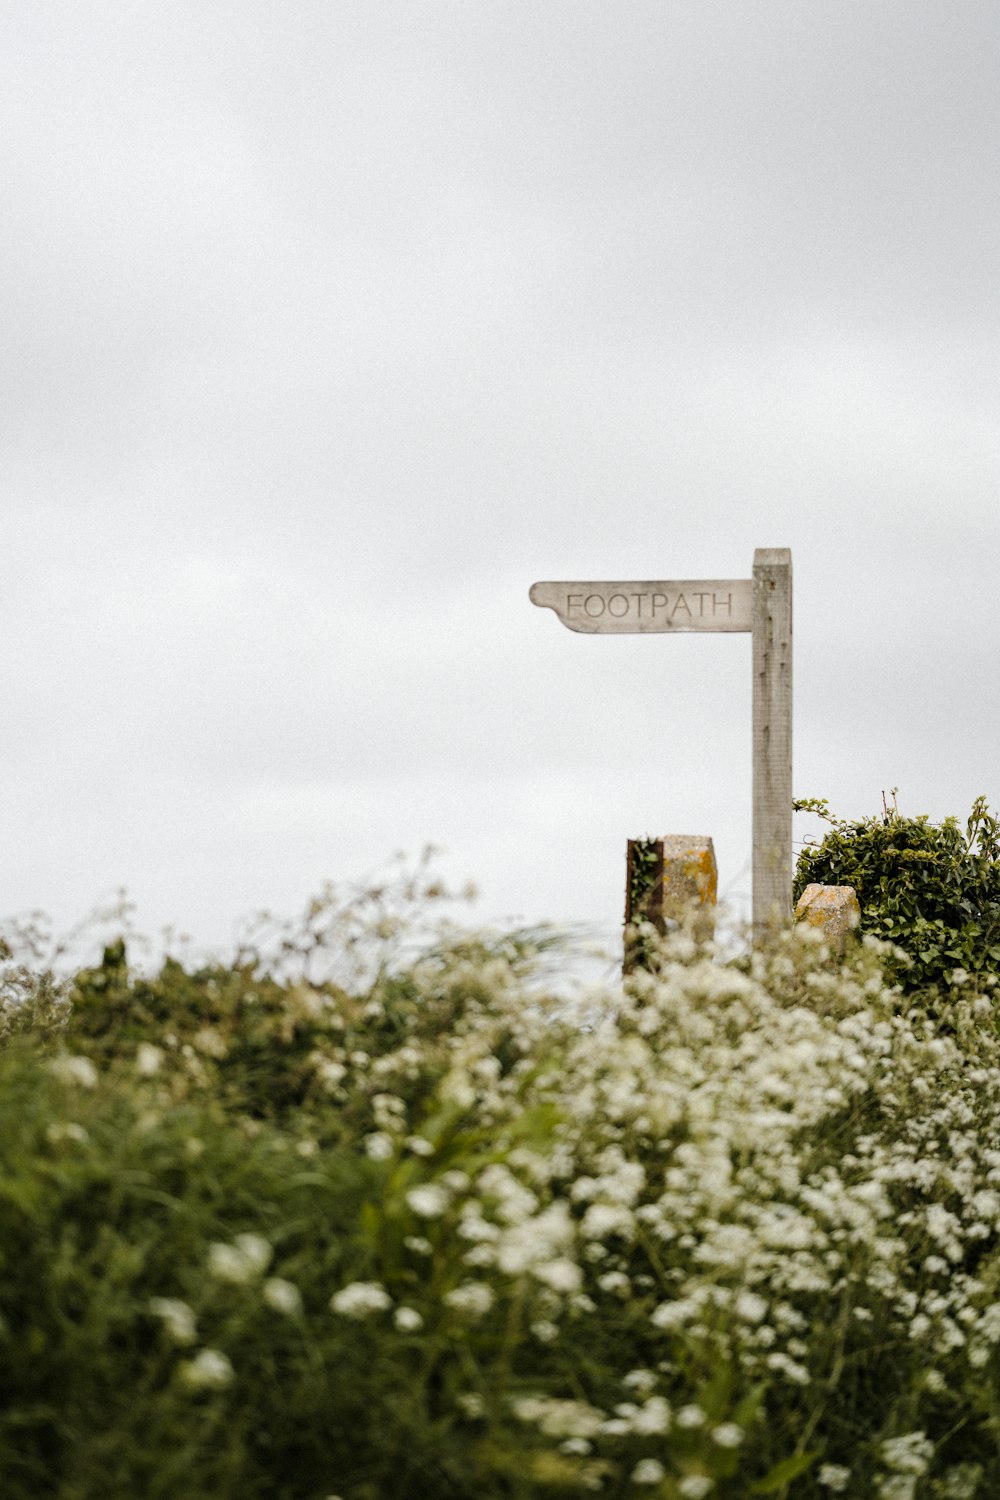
x=732 y=1227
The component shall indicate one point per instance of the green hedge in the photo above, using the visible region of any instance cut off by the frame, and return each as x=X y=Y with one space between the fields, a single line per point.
x=931 y=889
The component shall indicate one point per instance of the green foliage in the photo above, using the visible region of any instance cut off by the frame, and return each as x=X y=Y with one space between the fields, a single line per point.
x=930 y=889
x=645 y=867
x=427 y=1232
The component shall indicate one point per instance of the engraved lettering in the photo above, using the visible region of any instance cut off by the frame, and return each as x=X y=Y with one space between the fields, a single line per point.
x=643 y=606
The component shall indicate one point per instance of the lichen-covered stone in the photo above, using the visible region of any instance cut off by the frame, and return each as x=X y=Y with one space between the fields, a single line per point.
x=833 y=909
x=690 y=874
x=669 y=880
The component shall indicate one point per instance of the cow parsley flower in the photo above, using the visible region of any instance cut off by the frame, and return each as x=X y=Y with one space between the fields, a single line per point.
x=379 y=1146
x=360 y=1299
x=728 y=1435
x=429 y=1200
x=695 y=1486
x=408 y=1320
x=282 y=1296
x=240 y=1262
x=648 y=1471
x=471 y=1297
x=148 y=1059
x=210 y=1370
x=71 y=1068
x=178 y=1318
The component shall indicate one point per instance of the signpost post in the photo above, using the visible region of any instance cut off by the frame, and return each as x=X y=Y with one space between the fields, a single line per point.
x=762 y=606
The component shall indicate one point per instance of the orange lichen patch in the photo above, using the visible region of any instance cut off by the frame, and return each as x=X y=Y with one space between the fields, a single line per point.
x=833 y=909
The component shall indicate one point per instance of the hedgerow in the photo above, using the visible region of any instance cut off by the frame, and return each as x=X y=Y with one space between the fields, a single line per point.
x=411 y=1227
x=930 y=889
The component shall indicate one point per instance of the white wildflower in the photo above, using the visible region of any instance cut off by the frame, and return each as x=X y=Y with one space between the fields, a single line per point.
x=178 y=1318
x=456 y=1181
x=389 y=1110
x=148 y=1059
x=909 y=1454
x=282 y=1296
x=71 y=1068
x=648 y=1471
x=471 y=1297
x=210 y=1041
x=690 y=1416
x=653 y=1418
x=241 y=1262
x=695 y=1486
x=668 y=1315
x=560 y=1418
x=961 y=1482
x=379 y=1146
x=210 y=1370
x=727 y=1435
x=561 y=1274
x=780 y=1362
x=329 y=1072
x=407 y=1320
x=545 y=1331
x=360 y=1299
x=750 y=1307
x=834 y=1477
x=604 y=1219
x=429 y=1200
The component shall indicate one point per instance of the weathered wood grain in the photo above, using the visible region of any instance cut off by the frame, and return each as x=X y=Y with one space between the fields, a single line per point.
x=772 y=734
x=650 y=606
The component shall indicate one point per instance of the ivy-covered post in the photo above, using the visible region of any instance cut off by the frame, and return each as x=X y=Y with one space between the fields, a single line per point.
x=664 y=878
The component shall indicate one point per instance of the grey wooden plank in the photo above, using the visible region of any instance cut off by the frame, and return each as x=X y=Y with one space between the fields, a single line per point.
x=649 y=606
x=772 y=734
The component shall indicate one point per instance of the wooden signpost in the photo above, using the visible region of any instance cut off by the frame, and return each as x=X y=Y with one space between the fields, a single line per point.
x=762 y=606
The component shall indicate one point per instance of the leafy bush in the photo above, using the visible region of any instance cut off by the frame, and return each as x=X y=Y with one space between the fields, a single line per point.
x=732 y=1231
x=928 y=888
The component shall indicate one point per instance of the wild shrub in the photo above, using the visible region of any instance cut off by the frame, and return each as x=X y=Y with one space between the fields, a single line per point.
x=727 y=1231
x=930 y=889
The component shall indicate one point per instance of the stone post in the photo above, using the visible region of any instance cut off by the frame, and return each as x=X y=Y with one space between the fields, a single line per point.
x=664 y=878
x=833 y=909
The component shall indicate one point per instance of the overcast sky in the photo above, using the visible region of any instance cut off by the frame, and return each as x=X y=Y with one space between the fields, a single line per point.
x=331 y=326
